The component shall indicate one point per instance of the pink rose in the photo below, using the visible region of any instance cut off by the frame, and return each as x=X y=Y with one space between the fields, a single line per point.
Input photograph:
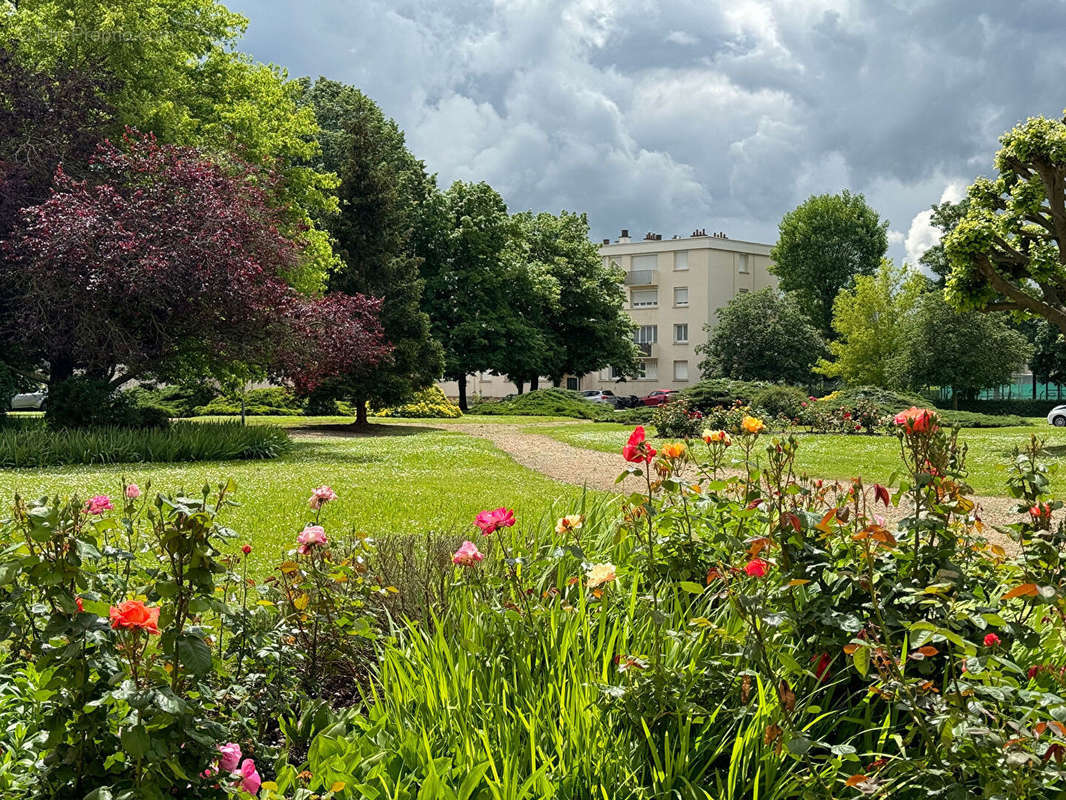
x=311 y=535
x=467 y=555
x=250 y=780
x=133 y=491
x=757 y=567
x=98 y=504
x=230 y=756
x=321 y=496
x=491 y=521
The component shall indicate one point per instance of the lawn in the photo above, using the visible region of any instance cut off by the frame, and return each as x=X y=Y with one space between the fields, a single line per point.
x=401 y=480
x=873 y=457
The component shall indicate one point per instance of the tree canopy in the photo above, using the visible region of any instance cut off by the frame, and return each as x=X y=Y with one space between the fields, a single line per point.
x=822 y=245
x=870 y=322
x=1008 y=253
x=761 y=336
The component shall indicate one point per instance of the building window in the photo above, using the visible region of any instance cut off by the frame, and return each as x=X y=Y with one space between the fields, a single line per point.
x=649 y=369
x=681 y=333
x=681 y=260
x=742 y=263
x=646 y=334
x=743 y=290
x=680 y=370
x=644 y=298
x=645 y=262
x=681 y=296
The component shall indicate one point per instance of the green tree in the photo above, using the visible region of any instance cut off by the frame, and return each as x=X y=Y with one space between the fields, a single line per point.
x=475 y=285
x=1008 y=253
x=870 y=322
x=176 y=73
x=584 y=325
x=761 y=336
x=1048 y=361
x=822 y=245
x=965 y=350
x=382 y=192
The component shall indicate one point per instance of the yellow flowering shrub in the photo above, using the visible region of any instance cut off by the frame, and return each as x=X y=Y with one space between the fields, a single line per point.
x=429 y=402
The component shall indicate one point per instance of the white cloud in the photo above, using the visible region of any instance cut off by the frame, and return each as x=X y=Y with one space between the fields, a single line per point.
x=922 y=233
x=896 y=237
x=683 y=38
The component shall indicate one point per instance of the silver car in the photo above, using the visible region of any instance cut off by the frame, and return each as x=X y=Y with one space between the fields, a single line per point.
x=32 y=401
x=1057 y=416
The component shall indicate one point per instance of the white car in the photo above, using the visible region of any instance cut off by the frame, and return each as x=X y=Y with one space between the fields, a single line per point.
x=1057 y=416
x=606 y=397
x=33 y=401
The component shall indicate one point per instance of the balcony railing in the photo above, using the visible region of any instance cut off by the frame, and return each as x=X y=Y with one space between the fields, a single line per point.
x=642 y=277
x=645 y=348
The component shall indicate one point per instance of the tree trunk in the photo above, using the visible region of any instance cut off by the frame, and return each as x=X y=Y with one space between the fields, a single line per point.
x=462 y=392
x=954 y=398
x=557 y=382
x=534 y=383
x=521 y=384
x=360 y=414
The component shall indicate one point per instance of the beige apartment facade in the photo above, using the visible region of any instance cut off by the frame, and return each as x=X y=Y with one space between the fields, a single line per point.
x=673 y=288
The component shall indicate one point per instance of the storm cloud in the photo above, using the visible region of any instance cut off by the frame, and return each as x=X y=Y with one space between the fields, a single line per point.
x=671 y=116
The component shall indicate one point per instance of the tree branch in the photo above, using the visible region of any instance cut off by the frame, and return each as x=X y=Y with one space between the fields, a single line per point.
x=1023 y=301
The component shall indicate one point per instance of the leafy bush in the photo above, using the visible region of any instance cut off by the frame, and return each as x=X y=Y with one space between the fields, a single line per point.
x=545 y=402
x=429 y=402
x=33 y=445
x=641 y=415
x=707 y=394
x=179 y=401
x=783 y=401
x=677 y=420
x=876 y=406
x=271 y=401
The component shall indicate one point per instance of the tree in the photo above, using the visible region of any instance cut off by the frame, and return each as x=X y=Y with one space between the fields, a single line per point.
x=870 y=322
x=174 y=71
x=382 y=191
x=1048 y=361
x=473 y=282
x=822 y=245
x=945 y=216
x=761 y=336
x=966 y=350
x=585 y=326
x=1008 y=253
x=166 y=261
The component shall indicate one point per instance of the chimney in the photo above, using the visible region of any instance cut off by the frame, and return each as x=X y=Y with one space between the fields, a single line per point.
x=606 y=241
x=624 y=238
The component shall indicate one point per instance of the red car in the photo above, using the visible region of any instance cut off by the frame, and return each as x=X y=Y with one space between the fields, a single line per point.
x=658 y=397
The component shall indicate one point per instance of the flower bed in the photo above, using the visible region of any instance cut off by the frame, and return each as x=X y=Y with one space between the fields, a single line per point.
x=706 y=636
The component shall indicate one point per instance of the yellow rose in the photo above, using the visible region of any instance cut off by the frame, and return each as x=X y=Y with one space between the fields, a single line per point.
x=752 y=425
x=674 y=450
x=569 y=523
x=599 y=574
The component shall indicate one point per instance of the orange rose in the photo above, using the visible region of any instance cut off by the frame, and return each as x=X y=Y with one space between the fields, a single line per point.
x=674 y=450
x=135 y=615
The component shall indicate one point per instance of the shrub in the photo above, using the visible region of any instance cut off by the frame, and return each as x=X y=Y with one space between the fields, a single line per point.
x=677 y=420
x=32 y=445
x=179 y=401
x=545 y=402
x=1018 y=407
x=83 y=402
x=707 y=394
x=641 y=415
x=272 y=401
x=783 y=401
x=429 y=403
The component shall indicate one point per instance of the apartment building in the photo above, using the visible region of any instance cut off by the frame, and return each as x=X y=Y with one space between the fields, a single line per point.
x=673 y=289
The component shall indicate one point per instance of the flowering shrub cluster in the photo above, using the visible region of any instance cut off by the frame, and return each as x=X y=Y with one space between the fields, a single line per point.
x=862 y=416
x=677 y=419
x=429 y=402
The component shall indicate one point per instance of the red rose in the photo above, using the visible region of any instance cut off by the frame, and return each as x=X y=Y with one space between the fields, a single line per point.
x=757 y=567
x=991 y=640
x=247 y=549
x=637 y=449
x=134 y=615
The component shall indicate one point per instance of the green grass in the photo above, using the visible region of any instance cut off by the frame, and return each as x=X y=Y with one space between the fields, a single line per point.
x=411 y=481
x=306 y=422
x=873 y=457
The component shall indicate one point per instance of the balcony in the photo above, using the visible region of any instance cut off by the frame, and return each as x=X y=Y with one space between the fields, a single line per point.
x=645 y=349
x=642 y=277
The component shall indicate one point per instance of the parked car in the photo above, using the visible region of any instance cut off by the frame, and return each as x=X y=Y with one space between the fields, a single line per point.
x=605 y=396
x=658 y=397
x=32 y=401
x=1057 y=416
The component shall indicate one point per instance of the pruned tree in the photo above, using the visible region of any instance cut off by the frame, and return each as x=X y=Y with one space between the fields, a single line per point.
x=1008 y=253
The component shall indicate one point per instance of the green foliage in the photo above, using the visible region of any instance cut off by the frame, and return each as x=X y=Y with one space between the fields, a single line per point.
x=382 y=193
x=761 y=336
x=965 y=350
x=33 y=445
x=1020 y=407
x=780 y=401
x=544 y=402
x=677 y=420
x=870 y=321
x=179 y=401
x=945 y=216
x=711 y=392
x=430 y=403
x=1007 y=251
x=822 y=245
x=886 y=403
x=83 y=402
x=267 y=401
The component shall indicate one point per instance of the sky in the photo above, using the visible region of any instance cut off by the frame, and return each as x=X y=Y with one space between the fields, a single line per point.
x=672 y=115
